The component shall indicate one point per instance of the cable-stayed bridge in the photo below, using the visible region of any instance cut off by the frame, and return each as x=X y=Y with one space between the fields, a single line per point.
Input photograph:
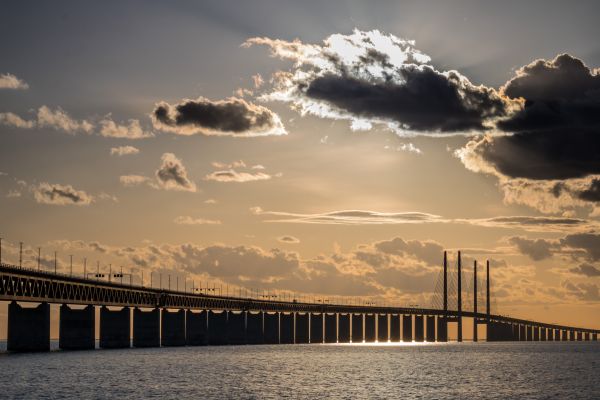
x=150 y=316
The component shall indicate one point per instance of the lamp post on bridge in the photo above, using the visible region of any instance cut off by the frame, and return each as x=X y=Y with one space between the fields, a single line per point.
x=39 y=257
x=459 y=292
x=475 y=300
x=20 y=254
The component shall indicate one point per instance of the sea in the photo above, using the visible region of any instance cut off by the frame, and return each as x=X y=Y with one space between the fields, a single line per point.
x=522 y=370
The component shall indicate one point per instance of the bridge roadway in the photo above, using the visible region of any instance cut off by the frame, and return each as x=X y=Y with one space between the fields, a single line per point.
x=28 y=285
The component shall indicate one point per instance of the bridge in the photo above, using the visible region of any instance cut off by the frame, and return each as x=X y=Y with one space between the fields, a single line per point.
x=155 y=317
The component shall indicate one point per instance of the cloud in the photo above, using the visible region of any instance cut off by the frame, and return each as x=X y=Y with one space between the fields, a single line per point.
x=131 y=130
x=537 y=250
x=235 y=176
x=373 y=78
x=588 y=242
x=58 y=119
x=592 y=192
x=257 y=80
x=123 y=150
x=288 y=239
x=13 y=194
x=195 y=221
x=552 y=140
x=56 y=194
x=9 y=81
x=133 y=180
x=172 y=175
x=348 y=217
x=11 y=119
x=365 y=217
x=587 y=270
x=230 y=117
x=407 y=147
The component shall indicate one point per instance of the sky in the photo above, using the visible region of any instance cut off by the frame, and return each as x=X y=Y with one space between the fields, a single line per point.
x=319 y=149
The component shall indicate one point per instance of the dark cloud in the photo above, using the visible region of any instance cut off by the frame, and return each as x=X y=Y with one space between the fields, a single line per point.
x=57 y=194
x=538 y=249
x=172 y=175
x=588 y=242
x=556 y=135
x=232 y=117
x=376 y=78
x=420 y=98
x=592 y=193
x=586 y=269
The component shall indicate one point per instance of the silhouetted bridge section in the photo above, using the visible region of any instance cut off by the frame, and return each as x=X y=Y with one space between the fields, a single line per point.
x=157 y=317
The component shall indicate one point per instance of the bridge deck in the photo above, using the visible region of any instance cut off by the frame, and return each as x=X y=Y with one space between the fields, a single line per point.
x=28 y=285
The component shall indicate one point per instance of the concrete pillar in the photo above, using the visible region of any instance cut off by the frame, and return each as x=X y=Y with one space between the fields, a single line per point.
x=579 y=336
x=515 y=332
x=343 y=328
x=572 y=336
x=442 y=329
x=564 y=335
x=77 y=328
x=28 y=328
x=196 y=328
x=529 y=333
x=536 y=334
x=395 y=335
x=254 y=328
x=382 y=328
x=357 y=328
x=217 y=328
x=369 y=328
x=594 y=337
x=430 y=328
x=271 y=328
x=586 y=336
x=302 y=332
x=173 y=328
x=115 y=328
x=419 y=336
x=236 y=327
x=543 y=334
x=146 y=328
x=286 y=328
x=316 y=328
x=330 y=328
x=407 y=328
x=522 y=334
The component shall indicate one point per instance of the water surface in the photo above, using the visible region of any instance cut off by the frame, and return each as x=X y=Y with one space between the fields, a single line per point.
x=436 y=371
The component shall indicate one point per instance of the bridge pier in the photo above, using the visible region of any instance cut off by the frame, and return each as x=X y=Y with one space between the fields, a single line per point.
x=286 y=328
x=316 y=328
x=28 y=328
x=77 y=328
x=586 y=336
x=343 y=328
x=217 y=328
x=271 y=328
x=115 y=328
x=382 y=328
x=419 y=332
x=579 y=336
x=556 y=335
x=236 y=327
x=302 y=328
x=254 y=328
x=572 y=336
x=395 y=335
x=173 y=328
x=543 y=334
x=146 y=328
x=407 y=328
x=330 y=328
x=357 y=328
x=430 y=328
x=595 y=337
x=196 y=328
x=369 y=328
x=442 y=329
